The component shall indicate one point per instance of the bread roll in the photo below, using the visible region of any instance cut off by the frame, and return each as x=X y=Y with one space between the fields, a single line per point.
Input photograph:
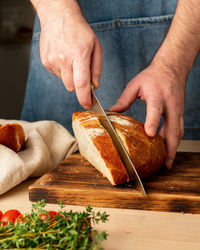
x=12 y=136
x=95 y=144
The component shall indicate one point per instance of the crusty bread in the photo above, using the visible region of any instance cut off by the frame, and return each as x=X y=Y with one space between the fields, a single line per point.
x=95 y=144
x=12 y=136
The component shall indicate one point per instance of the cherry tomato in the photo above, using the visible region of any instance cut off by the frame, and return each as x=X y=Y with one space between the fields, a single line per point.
x=52 y=214
x=43 y=217
x=20 y=218
x=10 y=215
x=1 y=214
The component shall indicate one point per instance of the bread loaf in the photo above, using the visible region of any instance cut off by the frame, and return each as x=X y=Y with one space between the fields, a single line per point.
x=95 y=144
x=12 y=136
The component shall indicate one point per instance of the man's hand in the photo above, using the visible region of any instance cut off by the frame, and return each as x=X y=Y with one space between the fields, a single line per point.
x=162 y=84
x=69 y=48
x=164 y=94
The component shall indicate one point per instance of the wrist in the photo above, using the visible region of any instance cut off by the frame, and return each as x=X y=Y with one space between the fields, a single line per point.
x=171 y=62
x=51 y=10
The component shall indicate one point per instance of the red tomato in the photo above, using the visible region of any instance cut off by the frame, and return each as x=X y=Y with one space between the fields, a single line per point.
x=1 y=214
x=52 y=214
x=60 y=215
x=43 y=217
x=21 y=218
x=10 y=215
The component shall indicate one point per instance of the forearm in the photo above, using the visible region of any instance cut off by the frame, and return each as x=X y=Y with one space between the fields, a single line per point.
x=182 y=43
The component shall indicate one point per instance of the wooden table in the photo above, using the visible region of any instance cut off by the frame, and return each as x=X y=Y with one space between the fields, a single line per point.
x=131 y=229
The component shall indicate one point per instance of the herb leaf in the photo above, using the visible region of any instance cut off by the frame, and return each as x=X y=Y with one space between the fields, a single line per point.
x=66 y=230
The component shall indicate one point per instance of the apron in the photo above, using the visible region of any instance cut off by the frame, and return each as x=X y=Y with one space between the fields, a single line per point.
x=130 y=33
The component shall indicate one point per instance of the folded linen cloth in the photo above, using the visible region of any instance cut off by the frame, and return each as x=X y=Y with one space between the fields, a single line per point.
x=47 y=143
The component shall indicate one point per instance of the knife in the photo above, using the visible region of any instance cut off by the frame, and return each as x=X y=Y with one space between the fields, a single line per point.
x=105 y=122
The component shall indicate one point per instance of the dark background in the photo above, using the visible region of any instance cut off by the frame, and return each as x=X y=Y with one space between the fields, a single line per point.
x=16 y=22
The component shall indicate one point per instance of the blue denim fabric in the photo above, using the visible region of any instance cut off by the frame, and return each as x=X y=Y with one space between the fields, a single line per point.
x=130 y=33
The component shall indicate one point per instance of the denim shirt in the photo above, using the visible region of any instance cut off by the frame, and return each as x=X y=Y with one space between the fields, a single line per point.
x=130 y=32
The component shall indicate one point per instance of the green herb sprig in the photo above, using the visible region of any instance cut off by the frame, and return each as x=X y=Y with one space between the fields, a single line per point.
x=67 y=230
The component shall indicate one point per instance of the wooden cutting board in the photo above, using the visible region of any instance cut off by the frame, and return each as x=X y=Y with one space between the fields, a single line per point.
x=76 y=182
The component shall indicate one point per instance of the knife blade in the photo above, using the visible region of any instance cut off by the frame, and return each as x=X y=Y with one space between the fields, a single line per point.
x=105 y=122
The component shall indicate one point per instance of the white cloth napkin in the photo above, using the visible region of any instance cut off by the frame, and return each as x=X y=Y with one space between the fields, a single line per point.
x=47 y=143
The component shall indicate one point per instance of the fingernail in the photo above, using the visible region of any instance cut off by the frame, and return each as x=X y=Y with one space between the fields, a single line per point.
x=87 y=107
x=169 y=163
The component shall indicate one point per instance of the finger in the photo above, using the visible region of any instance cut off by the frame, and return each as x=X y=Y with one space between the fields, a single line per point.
x=154 y=112
x=81 y=78
x=172 y=136
x=67 y=78
x=181 y=131
x=96 y=64
x=128 y=96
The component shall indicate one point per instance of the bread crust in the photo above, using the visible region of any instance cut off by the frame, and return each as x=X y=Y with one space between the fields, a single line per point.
x=12 y=136
x=146 y=153
x=104 y=145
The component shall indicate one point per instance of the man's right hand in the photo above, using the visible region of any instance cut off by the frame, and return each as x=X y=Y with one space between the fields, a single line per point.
x=69 y=48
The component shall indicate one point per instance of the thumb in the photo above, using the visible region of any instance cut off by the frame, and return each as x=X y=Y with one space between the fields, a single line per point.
x=154 y=112
x=128 y=96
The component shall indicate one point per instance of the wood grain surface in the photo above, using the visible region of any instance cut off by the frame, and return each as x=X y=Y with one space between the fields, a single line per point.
x=76 y=182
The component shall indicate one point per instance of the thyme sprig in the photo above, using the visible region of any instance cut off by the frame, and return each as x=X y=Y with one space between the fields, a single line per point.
x=67 y=230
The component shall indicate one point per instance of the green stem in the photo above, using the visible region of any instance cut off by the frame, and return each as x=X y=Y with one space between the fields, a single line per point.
x=28 y=235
